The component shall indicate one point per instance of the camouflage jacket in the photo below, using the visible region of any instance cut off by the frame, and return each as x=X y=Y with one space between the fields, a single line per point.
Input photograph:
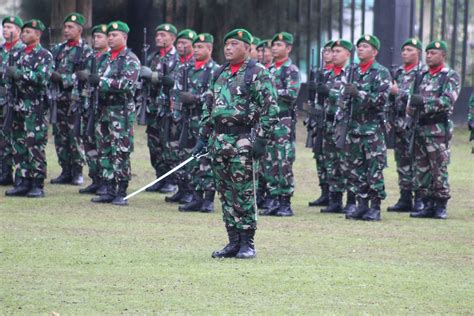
x=231 y=102
x=119 y=79
x=470 y=117
x=68 y=60
x=4 y=57
x=439 y=93
x=35 y=70
x=287 y=83
x=197 y=83
x=334 y=84
x=368 y=107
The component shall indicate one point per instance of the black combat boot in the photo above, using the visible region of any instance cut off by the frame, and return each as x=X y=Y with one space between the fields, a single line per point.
x=285 y=207
x=440 y=208
x=77 y=178
x=361 y=209
x=195 y=204
x=121 y=193
x=109 y=196
x=208 y=202
x=247 y=247
x=187 y=196
x=423 y=207
x=232 y=248
x=157 y=186
x=373 y=214
x=102 y=188
x=323 y=200
x=271 y=206
x=169 y=185
x=335 y=203
x=260 y=199
x=6 y=176
x=175 y=198
x=404 y=204
x=64 y=178
x=21 y=187
x=91 y=188
x=350 y=203
x=37 y=188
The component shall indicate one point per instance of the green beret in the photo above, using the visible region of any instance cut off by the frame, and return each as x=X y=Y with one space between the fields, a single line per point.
x=34 y=24
x=100 y=28
x=437 y=45
x=265 y=43
x=328 y=44
x=413 y=42
x=76 y=18
x=13 y=19
x=284 y=37
x=170 y=28
x=256 y=41
x=118 y=26
x=204 y=38
x=187 y=34
x=343 y=43
x=371 y=39
x=240 y=34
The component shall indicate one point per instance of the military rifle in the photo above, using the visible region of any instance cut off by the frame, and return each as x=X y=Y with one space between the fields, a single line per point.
x=310 y=121
x=320 y=112
x=11 y=93
x=183 y=137
x=341 y=132
x=165 y=113
x=94 y=98
x=143 y=85
x=413 y=125
x=53 y=90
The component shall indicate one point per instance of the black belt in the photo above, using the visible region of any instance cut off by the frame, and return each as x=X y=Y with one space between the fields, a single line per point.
x=432 y=119
x=233 y=129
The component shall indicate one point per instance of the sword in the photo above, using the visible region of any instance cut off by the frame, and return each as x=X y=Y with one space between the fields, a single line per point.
x=165 y=175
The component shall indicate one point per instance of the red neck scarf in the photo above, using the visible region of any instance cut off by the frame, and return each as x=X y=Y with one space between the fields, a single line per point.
x=199 y=64
x=235 y=67
x=116 y=52
x=279 y=63
x=268 y=65
x=186 y=58
x=9 y=45
x=366 y=66
x=435 y=70
x=329 y=66
x=72 y=43
x=165 y=51
x=407 y=68
x=29 y=48
x=337 y=70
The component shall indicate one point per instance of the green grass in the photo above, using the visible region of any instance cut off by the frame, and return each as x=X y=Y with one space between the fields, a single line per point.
x=66 y=255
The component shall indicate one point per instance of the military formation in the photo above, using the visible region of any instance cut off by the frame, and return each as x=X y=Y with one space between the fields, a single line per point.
x=238 y=121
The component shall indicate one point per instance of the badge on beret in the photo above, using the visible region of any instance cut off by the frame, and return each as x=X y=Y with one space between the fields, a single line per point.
x=280 y=37
x=437 y=45
x=367 y=37
x=167 y=27
x=74 y=18
x=115 y=26
x=202 y=37
x=191 y=35
x=413 y=41
x=12 y=19
x=240 y=34
x=104 y=28
x=33 y=23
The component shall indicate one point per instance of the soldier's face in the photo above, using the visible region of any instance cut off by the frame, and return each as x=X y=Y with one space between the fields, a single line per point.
x=280 y=50
x=267 y=55
x=340 y=56
x=72 y=31
x=366 y=52
x=435 y=57
x=100 y=41
x=327 y=55
x=260 y=54
x=184 y=47
x=30 y=36
x=253 y=51
x=164 y=39
x=10 y=29
x=410 y=55
x=116 y=39
x=202 y=51
x=235 y=51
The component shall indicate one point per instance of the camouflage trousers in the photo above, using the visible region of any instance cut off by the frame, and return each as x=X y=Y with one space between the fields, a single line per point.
x=154 y=144
x=5 y=145
x=69 y=147
x=334 y=160
x=29 y=139
x=171 y=151
x=367 y=156
x=432 y=157
x=279 y=159
x=234 y=181
x=115 y=145
x=321 y=169
x=402 y=158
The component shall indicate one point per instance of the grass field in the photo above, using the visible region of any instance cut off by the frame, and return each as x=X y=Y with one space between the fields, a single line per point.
x=66 y=255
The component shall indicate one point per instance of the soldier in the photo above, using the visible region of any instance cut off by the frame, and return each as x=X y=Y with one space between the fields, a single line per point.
x=470 y=119
x=9 y=51
x=253 y=48
x=334 y=158
x=363 y=102
x=264 y=53
x=323 y=200
x=69 y=57
x=117 y=88
x=188 y=109
x=404 y=78
x=30 y=75
x=172 y=153
x=159 y=69
x=99 y=34
x=242 y=102
x=431 y=108
x=280 y=155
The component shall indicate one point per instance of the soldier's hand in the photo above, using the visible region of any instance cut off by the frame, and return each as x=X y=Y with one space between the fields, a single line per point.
x=199 y=147
x=168 y=81
x=394 y=89
x=187 y=97
x=82 y=75
x=350 y=90
x=13 y=73
x=94 y=80
x=322 y=90
x=56 y=77
x=146 y=73
x=258 y=148
x=312 y=86
x=416 y=101
x=156 y=78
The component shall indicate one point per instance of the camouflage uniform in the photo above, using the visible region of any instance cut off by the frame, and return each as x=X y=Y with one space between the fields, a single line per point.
x=470 y=119
x=69 y=147
x=6 y=159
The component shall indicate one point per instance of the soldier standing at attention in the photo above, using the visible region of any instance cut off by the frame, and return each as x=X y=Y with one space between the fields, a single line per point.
x=30 y=75
x=366 y=95
x=278 y=168
x=264 y=53
x=404 y=78
x=69 y=57
x=117 y=88
x=10 y=49
x=433 y=106
x=242 y=102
